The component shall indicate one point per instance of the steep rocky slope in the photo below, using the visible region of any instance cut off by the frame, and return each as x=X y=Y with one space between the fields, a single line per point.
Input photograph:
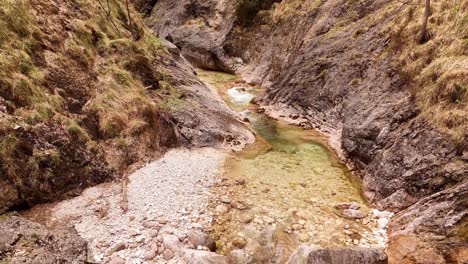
x=85 y=92
x=395 y=106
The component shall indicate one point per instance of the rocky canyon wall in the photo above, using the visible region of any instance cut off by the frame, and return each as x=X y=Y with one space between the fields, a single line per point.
x=356 y=71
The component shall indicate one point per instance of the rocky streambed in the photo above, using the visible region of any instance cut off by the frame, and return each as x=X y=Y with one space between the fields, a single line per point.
x=285 y=199
x=286 y=192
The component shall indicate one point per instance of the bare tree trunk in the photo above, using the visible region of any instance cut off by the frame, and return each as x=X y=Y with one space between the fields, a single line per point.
x=427 y=13
x=108 y=7
x=128 y=12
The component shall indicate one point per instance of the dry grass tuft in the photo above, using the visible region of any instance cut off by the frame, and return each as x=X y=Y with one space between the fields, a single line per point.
x=439 y=67
x=101 y=56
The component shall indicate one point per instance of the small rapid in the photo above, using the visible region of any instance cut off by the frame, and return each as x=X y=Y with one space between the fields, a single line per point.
x=289 y=189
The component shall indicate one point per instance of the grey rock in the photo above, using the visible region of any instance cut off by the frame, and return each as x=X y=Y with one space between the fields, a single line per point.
x=347 y=256
x=300 y=255
x=353 y=205
x=172 y=243
x=203 y=257
x=117 y=260
x=39 y=244
x=117 y=247
x=168 y=254
x=352 y=214
x=198 y=238
x=8 y=195
x=149 y=255
x=238 y=256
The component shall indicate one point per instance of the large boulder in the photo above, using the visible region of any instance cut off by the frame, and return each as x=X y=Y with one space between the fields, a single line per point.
x=23 y=241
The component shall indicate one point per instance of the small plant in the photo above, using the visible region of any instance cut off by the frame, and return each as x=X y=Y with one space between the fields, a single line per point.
x=78 y=131
x=246 y=10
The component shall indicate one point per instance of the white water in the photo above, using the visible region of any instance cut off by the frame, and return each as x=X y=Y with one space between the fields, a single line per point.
x=239 y=97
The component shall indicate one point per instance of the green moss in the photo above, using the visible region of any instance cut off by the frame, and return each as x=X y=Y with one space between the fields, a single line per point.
x=122 y=144
x=111 y=130
x=78 y=131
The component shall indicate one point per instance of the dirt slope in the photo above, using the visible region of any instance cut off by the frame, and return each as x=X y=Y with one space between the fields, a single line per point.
x=85 y=92
x=357 y=71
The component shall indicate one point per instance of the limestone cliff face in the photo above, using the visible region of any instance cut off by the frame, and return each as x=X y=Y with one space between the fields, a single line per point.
x=342 y=67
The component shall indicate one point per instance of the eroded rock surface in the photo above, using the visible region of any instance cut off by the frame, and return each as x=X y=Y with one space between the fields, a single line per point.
x=327 y=65
x=23 y=241
x=347 y=255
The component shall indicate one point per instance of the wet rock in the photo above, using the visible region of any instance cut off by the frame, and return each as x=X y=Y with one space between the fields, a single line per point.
x=198 y=238
x=347 y=255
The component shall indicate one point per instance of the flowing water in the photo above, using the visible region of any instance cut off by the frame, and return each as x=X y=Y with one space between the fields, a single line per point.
x=283 y=188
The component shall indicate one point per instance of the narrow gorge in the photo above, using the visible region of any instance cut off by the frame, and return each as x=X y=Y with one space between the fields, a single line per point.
x=242 y=131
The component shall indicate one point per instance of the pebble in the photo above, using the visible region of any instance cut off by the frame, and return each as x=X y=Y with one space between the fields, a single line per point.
x=140 y=239
x=238 y=205
x=303 y=237
x=162 y=221
x=168 y=254
x=117 y=247
x=239 y=242
x=221 y=209
x=225 y=199
x=153 y=233
x=149 y=255
x=352 y=205
x=352 y=214
x=197 y=226
x=117 y=260
x=382 y=223
x=161 y=250
x=296 y=226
